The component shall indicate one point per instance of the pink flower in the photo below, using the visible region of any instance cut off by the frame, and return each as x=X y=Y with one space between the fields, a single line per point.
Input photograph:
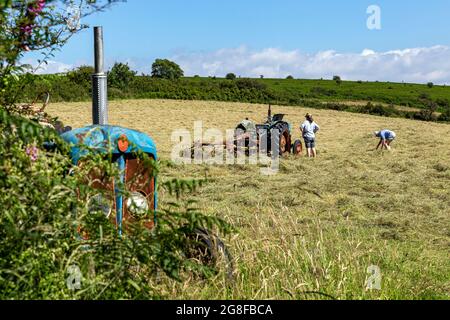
x=33 y=153
x=27 y=29
x=37 y=7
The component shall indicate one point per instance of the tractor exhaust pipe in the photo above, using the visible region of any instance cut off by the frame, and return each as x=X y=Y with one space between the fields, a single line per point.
x=99 y=82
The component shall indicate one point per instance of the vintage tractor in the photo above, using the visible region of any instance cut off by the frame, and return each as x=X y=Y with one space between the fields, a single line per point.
x=137 y=200
x=263 y=132
x=132 y=196
x=122 y=145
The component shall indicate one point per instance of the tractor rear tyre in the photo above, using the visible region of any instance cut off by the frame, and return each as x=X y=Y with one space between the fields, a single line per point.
x=283 y=144
x=297 y=148
x=244 y=135
x=209 y=250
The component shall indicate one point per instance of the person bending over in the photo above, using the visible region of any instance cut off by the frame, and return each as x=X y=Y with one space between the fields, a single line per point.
x=386 y=138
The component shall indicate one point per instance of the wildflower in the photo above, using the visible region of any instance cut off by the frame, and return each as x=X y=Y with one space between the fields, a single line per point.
x=36 y=7
x=27 y=29
x=33 y=153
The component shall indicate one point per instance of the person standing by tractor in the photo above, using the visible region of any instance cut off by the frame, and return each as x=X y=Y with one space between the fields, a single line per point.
x=309 y=129
x=386 y=138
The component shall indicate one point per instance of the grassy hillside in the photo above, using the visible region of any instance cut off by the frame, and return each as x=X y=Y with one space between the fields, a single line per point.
x=392 y=93
x=386 y=99
x=402 y=94
x=318 y=224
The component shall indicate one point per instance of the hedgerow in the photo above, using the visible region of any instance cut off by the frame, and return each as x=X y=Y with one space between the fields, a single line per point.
x=69 y=88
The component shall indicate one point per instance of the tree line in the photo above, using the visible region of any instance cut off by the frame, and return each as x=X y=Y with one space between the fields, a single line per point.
x=167 y=81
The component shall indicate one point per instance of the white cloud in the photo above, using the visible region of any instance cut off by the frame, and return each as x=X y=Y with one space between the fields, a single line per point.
x=48 y=68
x=418 y=65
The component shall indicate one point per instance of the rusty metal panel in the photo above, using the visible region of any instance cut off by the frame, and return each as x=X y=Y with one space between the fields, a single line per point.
x=138 y=178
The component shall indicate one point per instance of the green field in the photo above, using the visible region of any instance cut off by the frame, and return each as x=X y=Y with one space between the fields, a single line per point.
x=404 y=94
x=318 y=224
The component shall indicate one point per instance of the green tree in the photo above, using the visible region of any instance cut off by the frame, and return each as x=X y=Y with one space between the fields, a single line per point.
x=230 y=76
x=166 y=69
x=337 y=79
x=430 y=85
x=289 y=77
x=120 y=75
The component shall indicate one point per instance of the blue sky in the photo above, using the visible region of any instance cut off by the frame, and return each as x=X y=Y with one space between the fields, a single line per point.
x=139 y=31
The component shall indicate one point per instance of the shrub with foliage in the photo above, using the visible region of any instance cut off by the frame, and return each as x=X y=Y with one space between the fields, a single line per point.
x=429 y=109
x=120 y=75
x=445 y=116
x=55 y=242
x=35 y=25
x=46 y=200
x=81 y=75
x=445 y=105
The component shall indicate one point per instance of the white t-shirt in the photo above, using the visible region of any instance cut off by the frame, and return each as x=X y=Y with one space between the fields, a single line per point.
x=309 y=129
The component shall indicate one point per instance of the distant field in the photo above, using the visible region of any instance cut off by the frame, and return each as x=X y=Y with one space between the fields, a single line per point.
x=404 y=94
x=318 y=224
x=275 y=91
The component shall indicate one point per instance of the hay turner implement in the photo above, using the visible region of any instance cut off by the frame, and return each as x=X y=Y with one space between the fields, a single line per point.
x=274 y=136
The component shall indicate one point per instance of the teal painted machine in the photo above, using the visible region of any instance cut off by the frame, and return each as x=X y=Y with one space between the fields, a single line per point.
x=121 y=145
x=132 y=195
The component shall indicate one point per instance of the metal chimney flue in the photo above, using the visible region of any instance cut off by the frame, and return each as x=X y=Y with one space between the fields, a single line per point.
x=99 y=82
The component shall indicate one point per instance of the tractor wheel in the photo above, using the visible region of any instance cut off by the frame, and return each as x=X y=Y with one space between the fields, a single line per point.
x=284 y=142
x=297 y=148
x=209 y=250
x=242 y=136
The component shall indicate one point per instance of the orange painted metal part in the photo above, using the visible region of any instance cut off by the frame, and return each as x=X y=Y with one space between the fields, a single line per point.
x=123 y=143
